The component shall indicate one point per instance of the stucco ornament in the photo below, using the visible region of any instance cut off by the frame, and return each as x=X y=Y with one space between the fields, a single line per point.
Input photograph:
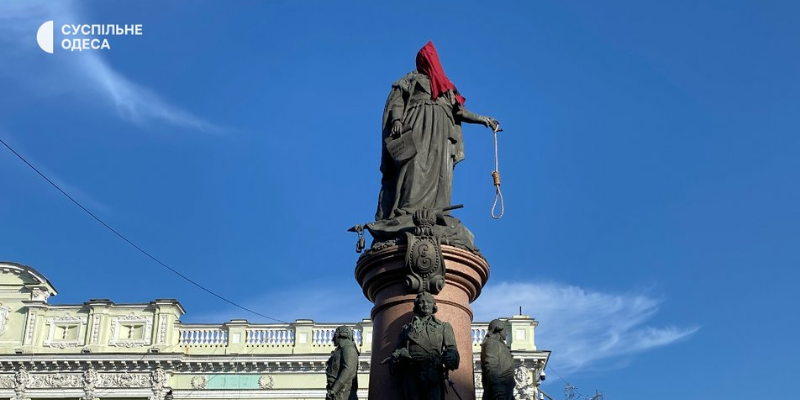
x=200 y=382
x=40 y=294
x=158 y=380
x=22 y=379
x=7 y=381
x=90 y=380
x=523 y=389
x=126 y=380
x=57 y=380
x=266 y=382
x=5 y=311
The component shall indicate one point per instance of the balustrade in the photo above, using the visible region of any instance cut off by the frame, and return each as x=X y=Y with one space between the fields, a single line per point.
x=203 y=337
x=479 y=333
x=270 y=337
x=322 y=335
x=283 y=335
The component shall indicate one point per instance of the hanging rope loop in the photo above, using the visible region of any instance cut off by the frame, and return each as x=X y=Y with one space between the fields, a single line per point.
x=498 y=195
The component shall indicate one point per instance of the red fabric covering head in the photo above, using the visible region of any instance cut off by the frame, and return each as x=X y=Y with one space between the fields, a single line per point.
x=428 y=64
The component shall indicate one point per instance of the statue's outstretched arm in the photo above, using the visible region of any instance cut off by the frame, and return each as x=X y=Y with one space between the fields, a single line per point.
x=470 y=117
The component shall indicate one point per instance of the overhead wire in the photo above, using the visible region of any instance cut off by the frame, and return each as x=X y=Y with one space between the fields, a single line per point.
x=557 y=374
x=134 y=245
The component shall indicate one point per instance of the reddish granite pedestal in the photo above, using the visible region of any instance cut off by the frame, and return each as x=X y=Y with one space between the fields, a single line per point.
x=381 y=274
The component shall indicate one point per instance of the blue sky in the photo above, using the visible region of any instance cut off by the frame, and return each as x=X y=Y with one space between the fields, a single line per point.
x=649 y=165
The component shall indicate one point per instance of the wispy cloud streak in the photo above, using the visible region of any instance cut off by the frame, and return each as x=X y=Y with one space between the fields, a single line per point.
x=585 y=329
x=582 y=327
x=133 y=102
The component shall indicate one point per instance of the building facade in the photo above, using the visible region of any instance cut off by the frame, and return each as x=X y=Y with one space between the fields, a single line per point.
x=104 y=350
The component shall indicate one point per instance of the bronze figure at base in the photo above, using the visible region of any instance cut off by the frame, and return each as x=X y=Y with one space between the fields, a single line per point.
x=497 y=364
x=342 y=367
x=426 y=353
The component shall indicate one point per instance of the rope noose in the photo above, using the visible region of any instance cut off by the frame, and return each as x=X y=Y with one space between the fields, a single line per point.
x=498 y=195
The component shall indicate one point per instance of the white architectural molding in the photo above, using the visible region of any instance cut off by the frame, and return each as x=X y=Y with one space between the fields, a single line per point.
x=162 y=328
x=31 y=326
x=158 y=380
x=523 y=390
x=65 y=322
x=199 y=382
x=22 y=379
x=56 y=381
x=124 y=380
x=90 y=381
x=266 y=382
x=95 y=329
x=7 y=381
x=5 y=311
x=40 y=294
x=131 y=320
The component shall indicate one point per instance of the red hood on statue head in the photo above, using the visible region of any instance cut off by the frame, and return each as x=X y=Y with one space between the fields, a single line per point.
x=428 y=63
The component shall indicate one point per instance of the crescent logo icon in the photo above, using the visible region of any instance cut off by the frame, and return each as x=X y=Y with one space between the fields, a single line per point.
x=44 y=36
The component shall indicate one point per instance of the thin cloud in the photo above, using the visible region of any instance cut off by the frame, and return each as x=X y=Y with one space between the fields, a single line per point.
x=133 y=102
x=580 y=326
x=136 y=103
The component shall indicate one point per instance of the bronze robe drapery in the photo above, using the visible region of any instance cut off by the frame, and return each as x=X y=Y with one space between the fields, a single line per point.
x=425 y=180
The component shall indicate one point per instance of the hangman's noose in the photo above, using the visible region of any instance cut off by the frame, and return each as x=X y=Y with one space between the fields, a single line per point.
x=498 y=195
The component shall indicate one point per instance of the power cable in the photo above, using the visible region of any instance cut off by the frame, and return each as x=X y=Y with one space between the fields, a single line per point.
x=557 y=374
x=134 y=245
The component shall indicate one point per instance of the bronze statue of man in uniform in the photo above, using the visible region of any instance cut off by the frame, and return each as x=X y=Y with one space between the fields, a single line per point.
x=426 y=352
x=497 y=364
x=342 y=367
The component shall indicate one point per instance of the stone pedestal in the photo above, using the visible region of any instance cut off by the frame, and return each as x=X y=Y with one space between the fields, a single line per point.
x=381 y=275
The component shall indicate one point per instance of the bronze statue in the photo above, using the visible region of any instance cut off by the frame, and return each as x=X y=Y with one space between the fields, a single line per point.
x=497 y=364
x=342 y=367
x=424 y=111
x=422 y=143
x=426 y=353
